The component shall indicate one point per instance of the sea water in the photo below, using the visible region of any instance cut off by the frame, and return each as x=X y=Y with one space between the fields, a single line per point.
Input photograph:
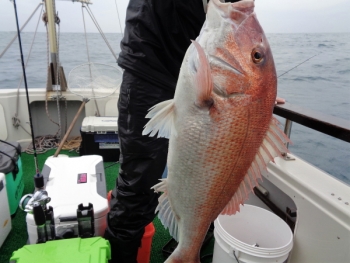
x=320 y=84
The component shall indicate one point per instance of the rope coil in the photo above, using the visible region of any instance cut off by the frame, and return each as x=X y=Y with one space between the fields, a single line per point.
x=49 y=142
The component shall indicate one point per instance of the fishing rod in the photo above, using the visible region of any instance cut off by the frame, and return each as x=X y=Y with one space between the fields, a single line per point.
x=298 y=65
x=27 y=94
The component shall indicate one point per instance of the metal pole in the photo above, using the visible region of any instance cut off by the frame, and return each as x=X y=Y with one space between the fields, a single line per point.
x=50 y=11
x=288 y=130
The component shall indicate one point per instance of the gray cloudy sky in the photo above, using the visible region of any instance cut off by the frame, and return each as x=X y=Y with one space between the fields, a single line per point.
x=276 y=16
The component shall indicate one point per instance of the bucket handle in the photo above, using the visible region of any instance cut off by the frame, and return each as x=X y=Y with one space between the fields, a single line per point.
x=235 y=254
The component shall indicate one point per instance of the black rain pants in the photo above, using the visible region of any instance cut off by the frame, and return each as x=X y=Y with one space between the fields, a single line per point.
x=142 y=162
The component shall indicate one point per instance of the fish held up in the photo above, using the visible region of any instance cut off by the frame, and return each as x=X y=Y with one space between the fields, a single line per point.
x=220 y=125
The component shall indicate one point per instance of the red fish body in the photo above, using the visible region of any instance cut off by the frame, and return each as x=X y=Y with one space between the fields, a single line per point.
x=220 y=125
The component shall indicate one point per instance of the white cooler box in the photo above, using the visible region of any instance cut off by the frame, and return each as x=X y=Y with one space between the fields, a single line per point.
x=72 y=181
x=5 y=217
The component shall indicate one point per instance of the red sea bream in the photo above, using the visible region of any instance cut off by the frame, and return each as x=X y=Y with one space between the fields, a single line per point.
x=220 y=125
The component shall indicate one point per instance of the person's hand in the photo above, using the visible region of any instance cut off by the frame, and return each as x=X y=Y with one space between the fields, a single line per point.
x=280 y=100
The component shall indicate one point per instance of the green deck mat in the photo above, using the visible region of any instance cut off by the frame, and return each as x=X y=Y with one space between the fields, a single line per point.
x=18 y=235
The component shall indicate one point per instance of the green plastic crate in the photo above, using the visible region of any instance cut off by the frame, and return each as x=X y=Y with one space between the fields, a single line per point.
x=14 y=187
x=74 y=250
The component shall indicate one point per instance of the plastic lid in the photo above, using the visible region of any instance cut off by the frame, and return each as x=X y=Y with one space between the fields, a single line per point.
x=100 y=124
x=87 y=250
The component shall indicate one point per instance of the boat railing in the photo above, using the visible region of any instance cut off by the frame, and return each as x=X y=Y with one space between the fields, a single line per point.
x=327 y=124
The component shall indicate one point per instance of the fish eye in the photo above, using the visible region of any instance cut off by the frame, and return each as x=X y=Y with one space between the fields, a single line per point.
x=257 y=55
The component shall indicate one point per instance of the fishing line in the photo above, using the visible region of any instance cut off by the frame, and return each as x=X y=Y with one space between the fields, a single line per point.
x=298 y=65
x=26 y=88
x=112 y=164
x=120 y=25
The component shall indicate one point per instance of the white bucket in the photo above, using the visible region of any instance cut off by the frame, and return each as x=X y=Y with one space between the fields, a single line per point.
x=253 y=235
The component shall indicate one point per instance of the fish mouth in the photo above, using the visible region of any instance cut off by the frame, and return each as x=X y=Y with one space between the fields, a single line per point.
x=236 y=12
x=245 y=6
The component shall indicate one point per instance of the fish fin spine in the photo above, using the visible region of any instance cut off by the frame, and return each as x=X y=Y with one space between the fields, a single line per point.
x=162 y=118
x=272 y=146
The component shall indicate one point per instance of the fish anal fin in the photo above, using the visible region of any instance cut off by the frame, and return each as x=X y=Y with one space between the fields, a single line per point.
x=272 y=146
x=166 y=214
x=162 y=117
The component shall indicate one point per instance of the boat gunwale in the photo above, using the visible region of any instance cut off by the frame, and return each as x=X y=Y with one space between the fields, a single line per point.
x=327 y=124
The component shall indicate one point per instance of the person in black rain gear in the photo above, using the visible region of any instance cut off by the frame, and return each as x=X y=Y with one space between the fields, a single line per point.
x=157 y=35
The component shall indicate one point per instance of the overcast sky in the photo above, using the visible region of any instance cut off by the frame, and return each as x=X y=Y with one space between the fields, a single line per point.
x=276 y=16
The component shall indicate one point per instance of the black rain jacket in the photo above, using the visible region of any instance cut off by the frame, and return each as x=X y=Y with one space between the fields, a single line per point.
x=157 y=35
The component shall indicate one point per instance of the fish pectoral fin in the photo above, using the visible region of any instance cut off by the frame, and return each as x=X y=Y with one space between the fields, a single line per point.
x=203 y=79
x=162 y=117
x=271 y=147
x=166 y=214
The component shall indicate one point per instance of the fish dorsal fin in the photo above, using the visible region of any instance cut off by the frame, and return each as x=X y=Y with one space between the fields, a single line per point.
x=166 y=215
x=162 y=118
x=203 y=78
x=272 y=146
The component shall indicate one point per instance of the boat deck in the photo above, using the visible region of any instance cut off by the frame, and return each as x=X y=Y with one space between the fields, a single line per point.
x=18 y=235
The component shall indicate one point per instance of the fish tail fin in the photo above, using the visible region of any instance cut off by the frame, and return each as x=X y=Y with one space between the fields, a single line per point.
x=178 y=260
x=162 y=119
x=179 y=257
x=166 y=214
x=271 y=147
x=203 y=78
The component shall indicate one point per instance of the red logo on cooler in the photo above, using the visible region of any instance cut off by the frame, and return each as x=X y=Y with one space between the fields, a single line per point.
x=82 y=178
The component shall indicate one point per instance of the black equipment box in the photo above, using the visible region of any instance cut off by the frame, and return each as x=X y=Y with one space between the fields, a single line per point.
x=100 y=137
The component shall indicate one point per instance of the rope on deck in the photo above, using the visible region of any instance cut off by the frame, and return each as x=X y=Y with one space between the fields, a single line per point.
x=45 y=143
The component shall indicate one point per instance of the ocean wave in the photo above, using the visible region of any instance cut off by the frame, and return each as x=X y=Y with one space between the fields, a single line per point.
x=318 y=144
x=342 y=72
x=326 y=46
x=310 y=78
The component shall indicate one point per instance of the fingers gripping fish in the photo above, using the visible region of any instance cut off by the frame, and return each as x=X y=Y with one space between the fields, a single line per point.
x=220 y=126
